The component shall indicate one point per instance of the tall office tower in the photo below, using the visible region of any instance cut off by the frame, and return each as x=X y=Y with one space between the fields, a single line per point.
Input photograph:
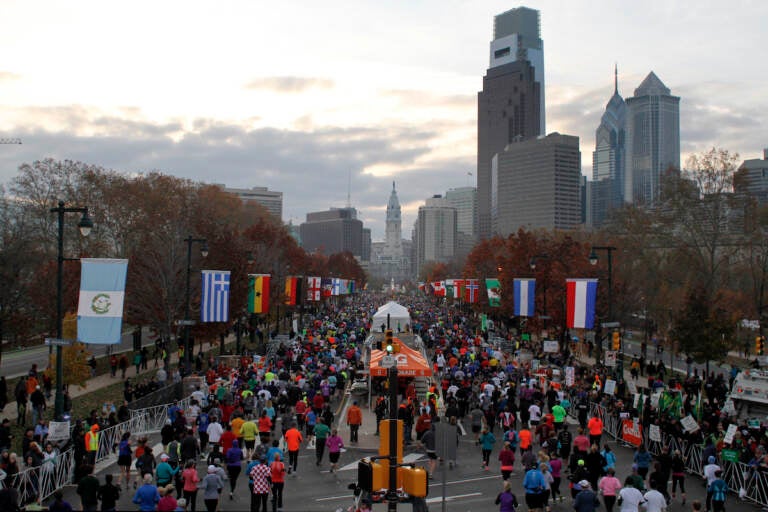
x=435 y=232
x=511 y=105
x=653 y=140
x=536 y=184
x=333 y=231
x=270 y=199
x=753 y=178
x=464 y=199
x=609 y=158
x=393 y=247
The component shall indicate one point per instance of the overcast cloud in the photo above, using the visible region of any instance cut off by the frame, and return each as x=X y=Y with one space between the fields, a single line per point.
x=303 y=98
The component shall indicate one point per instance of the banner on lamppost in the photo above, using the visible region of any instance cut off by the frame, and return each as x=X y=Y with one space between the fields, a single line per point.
x=100 y=306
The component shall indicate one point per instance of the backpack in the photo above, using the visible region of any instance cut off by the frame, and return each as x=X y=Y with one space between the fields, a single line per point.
x=174 y=452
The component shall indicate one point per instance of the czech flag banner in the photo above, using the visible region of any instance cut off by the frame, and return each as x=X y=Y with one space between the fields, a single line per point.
x=581 y=297
x=100 y=307
x=258 y=293
x=214 y=303
x=525 y=297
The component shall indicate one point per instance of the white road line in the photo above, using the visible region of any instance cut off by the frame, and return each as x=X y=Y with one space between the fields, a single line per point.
x=435 y=483
x=437 y=499
x=331 y=498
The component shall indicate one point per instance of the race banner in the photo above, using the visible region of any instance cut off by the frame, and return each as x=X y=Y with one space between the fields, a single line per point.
x=100 y=307
x=58 y=431
x=632 y=432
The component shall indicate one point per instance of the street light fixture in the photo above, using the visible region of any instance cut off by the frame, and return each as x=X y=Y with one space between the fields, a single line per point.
x=593 y=259
x=187 y=321
x=85 y=225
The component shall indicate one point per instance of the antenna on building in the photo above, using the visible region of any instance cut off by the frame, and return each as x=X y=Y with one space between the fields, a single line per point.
x=616 y=78
x=349 y=189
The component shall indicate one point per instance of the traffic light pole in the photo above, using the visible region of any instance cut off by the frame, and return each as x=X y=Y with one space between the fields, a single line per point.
x=393 y=439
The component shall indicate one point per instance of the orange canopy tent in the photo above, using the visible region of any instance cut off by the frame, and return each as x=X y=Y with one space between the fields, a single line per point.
x=410 y=363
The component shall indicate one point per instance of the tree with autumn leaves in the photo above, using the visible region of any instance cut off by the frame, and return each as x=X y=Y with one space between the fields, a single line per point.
x=144 y=218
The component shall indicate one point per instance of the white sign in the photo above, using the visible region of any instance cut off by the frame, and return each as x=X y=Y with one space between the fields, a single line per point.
x=58 y=430
x=728 y=407
x=654 y=433
x=728 y=439
x=610 y=387
x=570 y=376
x=635 y=401
x=534 y=365
x=632 y=387
x=655 y=400
x=551 y=346
x=387 y=361
x=610 y=358
x=689 y=424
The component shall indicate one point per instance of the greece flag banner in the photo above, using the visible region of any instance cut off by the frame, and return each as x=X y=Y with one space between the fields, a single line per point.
x=525 y=297
x=214 y=304
x=581 y=295
x=100 y=308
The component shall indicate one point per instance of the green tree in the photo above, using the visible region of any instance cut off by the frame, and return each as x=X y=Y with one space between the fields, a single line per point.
x=703 y=332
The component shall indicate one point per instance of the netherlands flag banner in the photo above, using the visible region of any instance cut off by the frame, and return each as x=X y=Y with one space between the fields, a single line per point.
x=525 y=297
x=581 y=297
x=214 y=304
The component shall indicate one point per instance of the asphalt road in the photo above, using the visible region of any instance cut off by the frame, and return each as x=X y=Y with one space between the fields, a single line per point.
x=468 y=487
x=18 y=362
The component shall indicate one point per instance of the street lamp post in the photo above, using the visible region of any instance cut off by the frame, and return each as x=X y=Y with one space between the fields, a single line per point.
x=85 y=225
x=532 y=264
x=593 y=260
x=187 y=321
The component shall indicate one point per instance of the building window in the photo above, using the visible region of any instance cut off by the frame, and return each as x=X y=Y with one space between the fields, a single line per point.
x=501 y=53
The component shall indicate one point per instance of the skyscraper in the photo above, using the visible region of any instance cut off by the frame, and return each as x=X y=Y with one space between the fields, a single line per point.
x=609 y=158
x=653 y=140
x=435 y=232
x=536 y=184
x=511 y=105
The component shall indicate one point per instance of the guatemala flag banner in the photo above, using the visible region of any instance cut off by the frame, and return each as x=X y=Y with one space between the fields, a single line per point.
x=102 y=293
x=581 y=297
x=214 y=304
x=525 y=297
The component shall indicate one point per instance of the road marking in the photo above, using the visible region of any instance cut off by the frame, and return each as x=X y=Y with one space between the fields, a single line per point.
x=331 y=498
x=407 y=459
x=451 y=498
x=434 y=483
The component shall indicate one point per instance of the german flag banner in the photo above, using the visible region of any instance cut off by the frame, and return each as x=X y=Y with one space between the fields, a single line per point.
x=292 y=290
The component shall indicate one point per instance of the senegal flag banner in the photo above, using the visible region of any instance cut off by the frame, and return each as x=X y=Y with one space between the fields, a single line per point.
x=258 y=293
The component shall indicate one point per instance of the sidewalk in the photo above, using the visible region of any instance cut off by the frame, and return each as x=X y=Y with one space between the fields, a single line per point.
x=99 y=382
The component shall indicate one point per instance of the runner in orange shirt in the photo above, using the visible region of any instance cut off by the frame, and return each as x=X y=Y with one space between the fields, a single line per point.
x=293 y=439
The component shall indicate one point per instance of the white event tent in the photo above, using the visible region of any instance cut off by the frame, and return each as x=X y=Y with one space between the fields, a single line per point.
x=398 y=317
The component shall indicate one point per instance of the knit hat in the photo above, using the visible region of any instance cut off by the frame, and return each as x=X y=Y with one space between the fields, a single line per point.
x=711 y=459
x=211 y=468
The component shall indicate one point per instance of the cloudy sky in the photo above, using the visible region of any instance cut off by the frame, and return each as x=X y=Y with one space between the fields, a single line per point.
x=304 y=96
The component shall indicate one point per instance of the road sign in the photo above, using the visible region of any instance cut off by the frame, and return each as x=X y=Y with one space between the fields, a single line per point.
x=185 y=323
x=57 y=342
x=610 y=325
x=387 y=362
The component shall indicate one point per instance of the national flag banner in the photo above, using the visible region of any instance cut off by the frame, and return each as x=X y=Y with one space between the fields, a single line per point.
x=351 y=286
x=438 y=288
x=471 y=290
x=524 y=297
x=292 y=290
x=460 y=284
x=450 y=293
x=102 y=294
x=313 y=289
x=258 y=293
x=335 y=286
x=343 y=287
x=581 y=295
x=214 y=303
x=493 y=286
x=422 y=286
x=327 y=287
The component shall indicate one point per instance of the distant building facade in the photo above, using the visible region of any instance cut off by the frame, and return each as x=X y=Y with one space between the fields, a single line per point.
x=609 y=159
x=536 y=183
x=389 y=259
x=511 y=105
x=753 y=178
x=652 y=140
x=435 y=232
x=333 y=231
x=269 y=199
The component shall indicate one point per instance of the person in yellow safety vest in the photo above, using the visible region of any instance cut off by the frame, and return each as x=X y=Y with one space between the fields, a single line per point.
x=597 y=385
x=92 y=443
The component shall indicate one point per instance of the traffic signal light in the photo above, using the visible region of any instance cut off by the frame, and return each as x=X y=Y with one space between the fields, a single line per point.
x=388 y=339
x=384 y=433
x=759 y=345
x=616 y=340
x=371 y=476
x=414 y=481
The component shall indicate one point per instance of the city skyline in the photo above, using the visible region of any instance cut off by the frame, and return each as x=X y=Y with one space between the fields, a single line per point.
x=297 y=98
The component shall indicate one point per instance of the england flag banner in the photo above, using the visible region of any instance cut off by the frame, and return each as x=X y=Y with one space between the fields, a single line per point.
x=525 y=297
x=581 y=296
x=100 y=307
x=214 y=304
x=313 y=289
